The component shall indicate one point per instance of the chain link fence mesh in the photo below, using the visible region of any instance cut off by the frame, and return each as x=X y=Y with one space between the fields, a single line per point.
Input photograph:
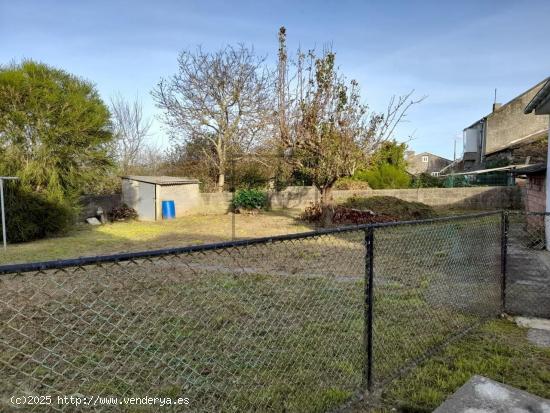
x=274 y=326
x=432 y=282
x=278 y=324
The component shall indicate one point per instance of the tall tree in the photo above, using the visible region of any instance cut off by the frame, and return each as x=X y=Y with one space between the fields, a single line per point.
x=325 y=130
x=130 y=130
x=223 y=98
x=54 y=131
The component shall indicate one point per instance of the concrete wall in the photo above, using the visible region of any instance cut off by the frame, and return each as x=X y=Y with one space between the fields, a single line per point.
x=212 y=203
x=475 y=198
x=186 y=197
x=508 y=123
x=300 y=197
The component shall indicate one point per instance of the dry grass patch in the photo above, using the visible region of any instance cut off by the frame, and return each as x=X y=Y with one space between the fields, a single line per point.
x=136 y=236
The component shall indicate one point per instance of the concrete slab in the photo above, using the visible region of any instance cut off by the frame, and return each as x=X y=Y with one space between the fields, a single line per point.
x=539 y=330
x=528 y=281
x=540 y=338
x=483 y=395
x=532 y=322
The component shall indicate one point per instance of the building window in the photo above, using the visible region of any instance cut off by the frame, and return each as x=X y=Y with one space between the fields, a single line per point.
x=435 y=173
x=425 y=159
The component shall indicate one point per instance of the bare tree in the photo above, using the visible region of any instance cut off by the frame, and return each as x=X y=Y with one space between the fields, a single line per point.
x=151 y=159
x=223 y=98
x=130 y=130
x=325 y=130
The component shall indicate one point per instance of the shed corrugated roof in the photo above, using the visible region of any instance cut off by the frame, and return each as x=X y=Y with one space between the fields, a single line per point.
x=162 y=180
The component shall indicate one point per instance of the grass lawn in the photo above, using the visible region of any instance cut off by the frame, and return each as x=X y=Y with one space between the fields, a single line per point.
x=498 y=350
x=85 y=240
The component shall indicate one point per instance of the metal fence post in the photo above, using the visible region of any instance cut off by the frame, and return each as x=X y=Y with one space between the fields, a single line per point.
x=503 y=257
x=368 y=308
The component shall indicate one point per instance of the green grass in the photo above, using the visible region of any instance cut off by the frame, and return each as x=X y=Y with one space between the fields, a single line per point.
x=498 y=350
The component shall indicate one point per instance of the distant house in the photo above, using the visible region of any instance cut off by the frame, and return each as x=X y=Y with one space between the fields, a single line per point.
x=425 y=162
x=507 y=135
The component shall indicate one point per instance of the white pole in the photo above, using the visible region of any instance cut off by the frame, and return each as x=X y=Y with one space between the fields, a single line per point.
x=3 y=214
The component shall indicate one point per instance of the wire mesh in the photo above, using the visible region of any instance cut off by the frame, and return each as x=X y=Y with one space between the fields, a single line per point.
x=276 y=324
x=432 y=282
x=528 y=265
x=266 y=327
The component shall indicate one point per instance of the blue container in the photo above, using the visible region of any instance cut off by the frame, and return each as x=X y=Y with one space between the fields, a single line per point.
x=168 y=210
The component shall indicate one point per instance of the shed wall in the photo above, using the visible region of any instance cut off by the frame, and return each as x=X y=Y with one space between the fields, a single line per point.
x=186 y=197
x=141 y=197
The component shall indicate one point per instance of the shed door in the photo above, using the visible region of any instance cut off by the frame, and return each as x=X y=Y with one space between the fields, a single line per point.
x=146 y=202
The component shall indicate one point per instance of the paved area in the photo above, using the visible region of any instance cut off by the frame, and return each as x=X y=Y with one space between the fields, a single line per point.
x=482 y=395
x=539 y=330
x=528 y=281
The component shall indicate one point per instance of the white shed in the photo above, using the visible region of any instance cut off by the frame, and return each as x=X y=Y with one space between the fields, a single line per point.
x=146 y=193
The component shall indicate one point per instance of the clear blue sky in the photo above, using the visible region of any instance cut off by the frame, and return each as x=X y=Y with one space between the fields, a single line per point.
x=455 y=52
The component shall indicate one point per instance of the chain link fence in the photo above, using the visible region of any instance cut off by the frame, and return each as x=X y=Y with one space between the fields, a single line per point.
x=296 y=323
x=432 y=282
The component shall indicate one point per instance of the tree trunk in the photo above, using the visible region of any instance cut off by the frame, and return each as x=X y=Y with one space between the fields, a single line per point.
x=327 y=208
x=221 y=181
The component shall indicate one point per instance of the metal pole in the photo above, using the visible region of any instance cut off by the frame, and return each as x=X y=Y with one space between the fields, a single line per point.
x=547 y=209
x=3 y=213
x=233 y=199
x=368 y=308
x=503 y=258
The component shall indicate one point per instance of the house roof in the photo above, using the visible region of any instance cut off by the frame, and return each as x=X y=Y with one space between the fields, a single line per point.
x=429 y=154
x=534 y=169
x=451 y=165
x=542 y=96
x=162 y=180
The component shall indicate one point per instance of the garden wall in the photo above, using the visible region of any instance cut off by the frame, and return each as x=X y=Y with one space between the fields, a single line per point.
x=301 y=196
x=475 y=198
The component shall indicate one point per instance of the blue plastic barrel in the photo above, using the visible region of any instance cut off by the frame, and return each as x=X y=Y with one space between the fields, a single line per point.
x=168 y=210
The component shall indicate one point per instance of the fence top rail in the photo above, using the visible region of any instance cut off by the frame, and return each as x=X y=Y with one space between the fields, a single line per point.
x=128 y=256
